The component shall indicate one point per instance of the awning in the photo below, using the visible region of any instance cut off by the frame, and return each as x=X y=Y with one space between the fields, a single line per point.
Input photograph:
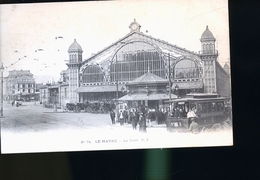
x=104 y=88
x=188 y=85
x=135 y=97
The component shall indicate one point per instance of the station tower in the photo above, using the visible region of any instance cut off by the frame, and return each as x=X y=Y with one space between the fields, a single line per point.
x=209 y=57
x=75 y=59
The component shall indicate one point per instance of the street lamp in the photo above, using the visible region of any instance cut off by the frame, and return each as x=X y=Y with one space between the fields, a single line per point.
x=35 y=93
x=176 y=89
x=54 y=103
x=169 y=76
x=116 y=78
x=60 y=82
x=123 y=90
x=1 y=89
x=48 y=93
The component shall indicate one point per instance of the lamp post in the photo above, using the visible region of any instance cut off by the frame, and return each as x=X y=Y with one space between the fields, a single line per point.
x=116 y=78
x=54 y=94
x=60 y=82
x=1 y=89
x=48 y=93
x=176 y=89
x=170 y=89
x=123 y=90
x=35 y=93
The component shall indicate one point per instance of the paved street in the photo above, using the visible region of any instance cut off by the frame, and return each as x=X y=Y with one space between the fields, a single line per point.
x=33 y=128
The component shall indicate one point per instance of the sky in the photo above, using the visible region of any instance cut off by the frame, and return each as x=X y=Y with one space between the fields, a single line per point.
x=37 y=36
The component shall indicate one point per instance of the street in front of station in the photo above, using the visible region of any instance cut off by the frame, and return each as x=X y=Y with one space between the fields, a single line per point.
x=32 y=128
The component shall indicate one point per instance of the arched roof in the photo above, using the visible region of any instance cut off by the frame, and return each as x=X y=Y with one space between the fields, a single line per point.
x=207 y=35
x=75 y=47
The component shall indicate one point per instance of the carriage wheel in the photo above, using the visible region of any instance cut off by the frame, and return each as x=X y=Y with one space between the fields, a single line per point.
x=101 y=110
x=88 y=109
x=216 y=127
x=106 y=110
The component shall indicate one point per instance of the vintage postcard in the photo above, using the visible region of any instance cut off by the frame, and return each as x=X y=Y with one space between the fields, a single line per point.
x=113 y=75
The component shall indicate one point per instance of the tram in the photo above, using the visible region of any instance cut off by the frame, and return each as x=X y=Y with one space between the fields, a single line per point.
x=212 y=112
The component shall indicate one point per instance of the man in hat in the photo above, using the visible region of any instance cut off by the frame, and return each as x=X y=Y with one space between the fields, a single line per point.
x=112 y=116
x=142 y=123
x=194 y=127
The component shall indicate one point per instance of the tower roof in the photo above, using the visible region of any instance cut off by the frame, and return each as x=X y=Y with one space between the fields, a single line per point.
x=226 y=66
x=75 y=47
x=207 y=35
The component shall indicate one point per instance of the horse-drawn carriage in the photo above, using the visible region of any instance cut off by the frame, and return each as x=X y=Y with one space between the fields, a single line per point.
x=91 y=107
x=75 y=107
x=98 y=107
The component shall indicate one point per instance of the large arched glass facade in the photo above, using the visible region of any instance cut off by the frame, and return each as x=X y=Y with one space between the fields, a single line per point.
x=186 y=69
x=93 y=73
x=134 y=60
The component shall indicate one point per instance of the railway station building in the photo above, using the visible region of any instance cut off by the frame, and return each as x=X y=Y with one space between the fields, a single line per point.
x=141 y=69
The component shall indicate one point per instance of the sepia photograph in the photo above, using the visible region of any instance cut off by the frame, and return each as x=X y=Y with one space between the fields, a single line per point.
x=115 y=75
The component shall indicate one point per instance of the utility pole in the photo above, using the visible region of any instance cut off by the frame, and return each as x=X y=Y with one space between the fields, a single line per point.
x=1 y=91
x=170 y=89
x=116 y=78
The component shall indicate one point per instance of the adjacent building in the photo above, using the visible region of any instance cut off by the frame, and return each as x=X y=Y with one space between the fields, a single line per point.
x=20 y=84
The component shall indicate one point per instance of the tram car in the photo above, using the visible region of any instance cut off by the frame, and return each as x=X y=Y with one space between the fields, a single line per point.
x=211 y=112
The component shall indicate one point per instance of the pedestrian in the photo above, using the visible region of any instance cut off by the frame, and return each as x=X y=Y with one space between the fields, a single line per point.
x=176 y=113
x=12 y=103
x=125 y=115
x=129 y=115
x=134 y=118
x=142 y=123
x=149 y=118
x=137 y=116
x=194 y=127
x=121 y=118
x=191 y=114
x=112 y=116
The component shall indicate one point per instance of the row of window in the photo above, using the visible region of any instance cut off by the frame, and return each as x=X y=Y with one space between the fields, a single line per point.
x=25 y=85
x=201 y=107
x=128 y=71
x=209 y=107
x=26 y=90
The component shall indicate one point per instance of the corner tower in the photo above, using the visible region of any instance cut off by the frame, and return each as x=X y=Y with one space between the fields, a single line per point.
x=209 y=57
x=75 y=59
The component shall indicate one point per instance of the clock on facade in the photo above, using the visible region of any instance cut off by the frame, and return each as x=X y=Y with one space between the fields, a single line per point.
x=134 y=26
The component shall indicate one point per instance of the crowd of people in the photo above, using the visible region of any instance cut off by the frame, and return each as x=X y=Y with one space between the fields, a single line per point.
x=142 y=117
x=135 y=116
x=138 y=117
